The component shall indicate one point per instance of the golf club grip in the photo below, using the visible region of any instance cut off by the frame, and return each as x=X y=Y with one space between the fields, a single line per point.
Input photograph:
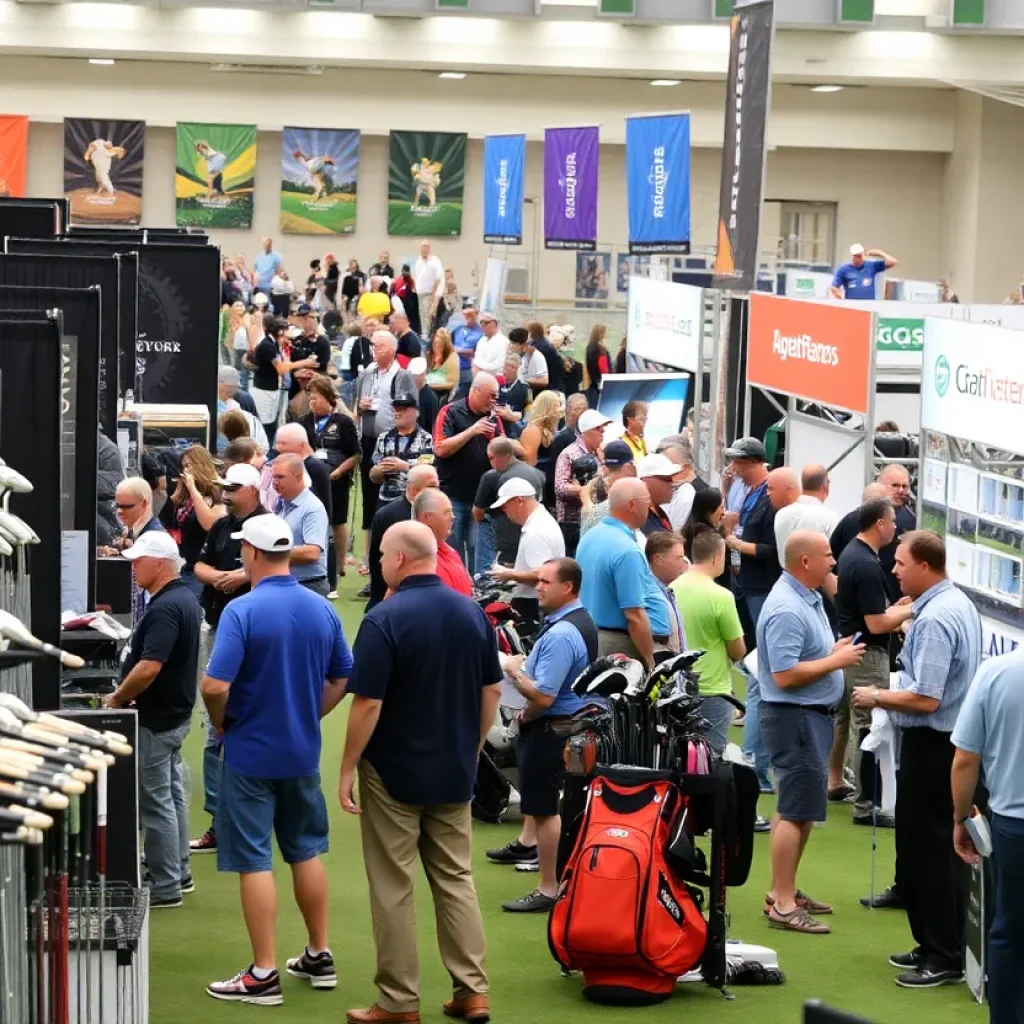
x=69 y=728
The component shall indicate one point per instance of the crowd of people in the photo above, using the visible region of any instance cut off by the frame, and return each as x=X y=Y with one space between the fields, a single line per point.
x=474 y=454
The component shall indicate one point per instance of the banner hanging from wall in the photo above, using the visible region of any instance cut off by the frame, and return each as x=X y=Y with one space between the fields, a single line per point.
x=103 y=170
x=215 y=178
x=426 y=178
x=570 y=187
x=658 y=182
x=504 y=175
x=748 y=98
x=319 y=174
x=13 y=154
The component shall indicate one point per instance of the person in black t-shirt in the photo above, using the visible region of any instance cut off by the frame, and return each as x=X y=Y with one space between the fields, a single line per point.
x=410 y=344
x=513 y=395
x=865 y=611
x=849 y=526
x=575 y=406
x=271 y=366
x=556 y=368
x=160 y=676
x=504 y=466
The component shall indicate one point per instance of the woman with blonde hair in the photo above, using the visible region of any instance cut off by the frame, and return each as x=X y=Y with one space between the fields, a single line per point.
x=442 y=365
x=193 y=507
x=545 y=413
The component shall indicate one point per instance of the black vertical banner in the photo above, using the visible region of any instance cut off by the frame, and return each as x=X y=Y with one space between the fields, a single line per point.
x=746 y=115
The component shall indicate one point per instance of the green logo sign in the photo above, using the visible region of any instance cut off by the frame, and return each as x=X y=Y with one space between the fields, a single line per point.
x=899 y=335
x=942 y=376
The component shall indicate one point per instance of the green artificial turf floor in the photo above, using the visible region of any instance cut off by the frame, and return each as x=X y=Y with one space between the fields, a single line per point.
x=206 y=940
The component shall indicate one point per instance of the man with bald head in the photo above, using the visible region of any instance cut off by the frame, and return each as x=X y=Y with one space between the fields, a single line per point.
x=849 y=525
x=425 y=690
x=619 y=589
x=808 y=511
x=292 y=439
x=433 y=509
x=800 y=676
x=304 y=512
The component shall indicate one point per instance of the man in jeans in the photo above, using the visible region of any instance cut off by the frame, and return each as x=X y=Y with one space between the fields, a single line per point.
x=160 y=677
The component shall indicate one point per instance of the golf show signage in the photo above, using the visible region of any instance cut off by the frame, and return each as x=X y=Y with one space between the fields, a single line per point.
x=820 y=352
x=664 y=322
x=972 y=382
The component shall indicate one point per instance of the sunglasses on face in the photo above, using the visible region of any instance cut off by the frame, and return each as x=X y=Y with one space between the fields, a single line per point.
x=126 y=508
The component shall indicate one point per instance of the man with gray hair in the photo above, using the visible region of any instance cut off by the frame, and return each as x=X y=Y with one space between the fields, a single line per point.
x=677 y=448
x=134 y=500
x=433 y=508
x=808 y=512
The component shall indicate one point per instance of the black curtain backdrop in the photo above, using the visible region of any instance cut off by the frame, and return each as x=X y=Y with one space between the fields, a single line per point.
x=33 y=218
x=30 y=442
x=114 y=275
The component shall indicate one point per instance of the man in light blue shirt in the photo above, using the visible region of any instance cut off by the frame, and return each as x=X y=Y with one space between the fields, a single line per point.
x=800 y=674
x=266 y=265
x=565 y=646
x=304 y=512
x=856 y=279
x=939 y=659
x=619 y=589
x=989 y=735
x=465 y=339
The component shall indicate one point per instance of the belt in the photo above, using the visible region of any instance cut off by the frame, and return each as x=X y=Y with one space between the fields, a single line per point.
x=546 y=721
x=312 y=579
x=821 y=709
x=657 y=637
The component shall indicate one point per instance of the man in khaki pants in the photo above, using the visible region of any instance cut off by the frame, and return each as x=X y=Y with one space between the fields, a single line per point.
x=423 y=701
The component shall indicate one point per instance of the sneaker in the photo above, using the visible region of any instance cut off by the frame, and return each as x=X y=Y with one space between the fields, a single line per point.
x=907 y=961
x=762 y=824
x=888 y=899
x=840 y=794
x=879 y=819
x=532 y=903
x=363 y=591
x=513 y=853
x=188 y=884
x=245 y=987
x=206 y=843
x=164 y=902
x=528 y=866
x=317 y=970
x=929 y=977
x=332 y=596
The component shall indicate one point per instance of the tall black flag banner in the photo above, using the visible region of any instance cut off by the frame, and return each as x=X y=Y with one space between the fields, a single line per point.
x=746 y=116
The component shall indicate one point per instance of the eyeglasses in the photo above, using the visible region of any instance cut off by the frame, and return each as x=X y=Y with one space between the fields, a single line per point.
x=126 y=508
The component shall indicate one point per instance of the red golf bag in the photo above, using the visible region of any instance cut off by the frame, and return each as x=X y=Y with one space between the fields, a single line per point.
x=622 y=916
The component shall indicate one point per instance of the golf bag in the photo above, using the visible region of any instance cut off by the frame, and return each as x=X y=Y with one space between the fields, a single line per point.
x=491 y=792
x=623 y=917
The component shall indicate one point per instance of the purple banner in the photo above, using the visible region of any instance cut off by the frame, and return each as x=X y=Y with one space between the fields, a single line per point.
x=570 y=188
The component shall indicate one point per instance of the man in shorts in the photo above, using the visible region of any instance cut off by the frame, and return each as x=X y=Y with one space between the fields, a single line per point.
x=280 y=663
x=800 y=672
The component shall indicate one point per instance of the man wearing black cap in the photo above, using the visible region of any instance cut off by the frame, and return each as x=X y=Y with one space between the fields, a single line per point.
x=617 y=464
x=399 y=448
x=312 y=343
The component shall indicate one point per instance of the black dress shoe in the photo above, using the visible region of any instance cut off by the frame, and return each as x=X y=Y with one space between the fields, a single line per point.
x=907 y=961
x=888 y=899
x=880 y=820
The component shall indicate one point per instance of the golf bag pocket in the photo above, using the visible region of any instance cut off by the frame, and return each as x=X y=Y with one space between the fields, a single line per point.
x=622 y=916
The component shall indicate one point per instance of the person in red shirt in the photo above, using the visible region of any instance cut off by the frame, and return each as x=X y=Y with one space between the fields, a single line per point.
x=433 y=508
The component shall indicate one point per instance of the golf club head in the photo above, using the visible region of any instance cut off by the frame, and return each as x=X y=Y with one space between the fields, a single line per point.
x=9 y=538
x=18 y=708
x=21 y=531
x=12 y=480
x=607 y=676
x=5 y=548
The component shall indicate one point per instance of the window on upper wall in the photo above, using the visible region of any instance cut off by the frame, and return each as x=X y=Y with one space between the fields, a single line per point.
x=807 y=231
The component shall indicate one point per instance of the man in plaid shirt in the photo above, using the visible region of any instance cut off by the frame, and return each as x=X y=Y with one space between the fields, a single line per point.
x=568 y=482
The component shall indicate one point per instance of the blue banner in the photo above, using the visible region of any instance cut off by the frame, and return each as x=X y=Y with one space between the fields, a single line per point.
x=658 y=183
x=504 y=171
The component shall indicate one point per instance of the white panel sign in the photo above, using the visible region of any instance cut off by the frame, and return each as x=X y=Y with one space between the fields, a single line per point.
x=811 y=441
x=972 y=382
x=806 y=284
x=1000 y=316
x=665 y=321
x=920 y=291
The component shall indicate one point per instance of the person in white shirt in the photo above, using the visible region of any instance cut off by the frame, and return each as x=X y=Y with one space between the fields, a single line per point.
x=101 y=154
x=540 y=540
x=429 y=276
x=678 y=509
x=808 y=512
x=491 y=349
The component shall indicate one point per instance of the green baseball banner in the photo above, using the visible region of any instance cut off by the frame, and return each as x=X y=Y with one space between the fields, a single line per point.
x=216 y=168
x=427 y=173
x=319 y=169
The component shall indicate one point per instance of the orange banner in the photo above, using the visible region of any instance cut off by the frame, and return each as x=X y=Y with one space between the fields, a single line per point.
x=13 y=154
x=816 y=351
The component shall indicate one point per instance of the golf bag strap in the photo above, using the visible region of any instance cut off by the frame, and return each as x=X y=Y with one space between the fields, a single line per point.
x=581 y=619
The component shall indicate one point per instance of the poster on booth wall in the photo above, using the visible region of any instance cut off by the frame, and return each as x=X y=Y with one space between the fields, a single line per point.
x=667 y=396
x=103 y=170
x=658 y=182
x=319 y=174
x=13 y=154
x=663 y=325
x=593 y=274
x=426 y=178
x=215 y=176
x=570 y=187
x=504 y=176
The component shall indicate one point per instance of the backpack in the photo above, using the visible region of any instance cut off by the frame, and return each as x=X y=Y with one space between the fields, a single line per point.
x=623 y=917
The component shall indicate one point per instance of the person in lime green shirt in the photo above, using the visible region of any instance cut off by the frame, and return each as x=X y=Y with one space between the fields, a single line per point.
x=712 y=624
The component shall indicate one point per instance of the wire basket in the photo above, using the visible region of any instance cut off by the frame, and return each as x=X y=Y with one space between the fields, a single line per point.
x=124 y=910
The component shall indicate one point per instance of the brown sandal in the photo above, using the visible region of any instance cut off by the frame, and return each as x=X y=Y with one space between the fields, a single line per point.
x=808 y=903
x=797 y=920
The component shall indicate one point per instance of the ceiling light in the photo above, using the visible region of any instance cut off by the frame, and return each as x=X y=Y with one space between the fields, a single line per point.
x=101 y=60
x=827 y=88
x=454 y=75
x=666 y=82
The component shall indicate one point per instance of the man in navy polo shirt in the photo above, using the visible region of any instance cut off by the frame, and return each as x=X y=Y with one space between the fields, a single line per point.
x=423 y=701
x=279 y=664
x=856 y=279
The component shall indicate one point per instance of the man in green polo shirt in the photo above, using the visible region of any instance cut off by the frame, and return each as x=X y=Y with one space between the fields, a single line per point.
x=713 y=625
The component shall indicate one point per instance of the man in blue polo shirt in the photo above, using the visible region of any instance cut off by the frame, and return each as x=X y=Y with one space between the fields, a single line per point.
x=799 y=669
x=565 y=646
x=465 y=338
x=266 y=265
x=856 y=279
x=305 y=514
x=279 y=664
x=619 y=589
x=423 y=701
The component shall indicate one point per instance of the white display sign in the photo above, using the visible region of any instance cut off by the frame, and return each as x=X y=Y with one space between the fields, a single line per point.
x=920 y=291
x=999 y=316
x=665 y=321
x=806 y=284
x=972 y=382
x=492 y=294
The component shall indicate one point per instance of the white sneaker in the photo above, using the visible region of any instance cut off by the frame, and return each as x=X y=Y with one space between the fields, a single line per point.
x=332 y=596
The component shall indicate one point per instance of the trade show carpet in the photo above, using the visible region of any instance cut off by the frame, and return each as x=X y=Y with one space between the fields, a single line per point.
x=205 y=939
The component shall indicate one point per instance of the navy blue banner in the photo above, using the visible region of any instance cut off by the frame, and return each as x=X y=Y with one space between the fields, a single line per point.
x=504 y=171
x=658 y=183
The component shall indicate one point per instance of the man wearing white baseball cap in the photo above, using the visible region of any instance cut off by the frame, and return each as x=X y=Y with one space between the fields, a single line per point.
x=280 y=663
x=540 y=540
x=159 y=676
x=575 y=467
x=856 y=279
x=659 y=472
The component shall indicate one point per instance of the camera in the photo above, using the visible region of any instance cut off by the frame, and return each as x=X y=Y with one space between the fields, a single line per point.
x=584 y=469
